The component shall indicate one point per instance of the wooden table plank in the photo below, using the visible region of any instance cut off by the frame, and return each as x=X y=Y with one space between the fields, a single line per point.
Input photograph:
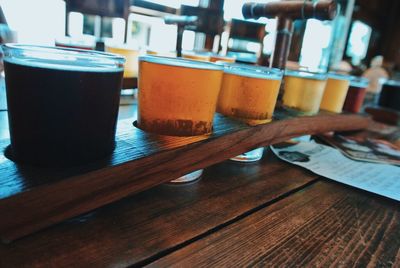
x=34 y=198
x=155 y=222
x=326 y=224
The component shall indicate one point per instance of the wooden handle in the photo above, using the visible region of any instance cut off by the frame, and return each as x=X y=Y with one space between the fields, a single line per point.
x=321 y=10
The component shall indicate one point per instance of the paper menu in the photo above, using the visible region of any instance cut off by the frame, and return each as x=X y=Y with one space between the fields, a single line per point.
x=382 y=179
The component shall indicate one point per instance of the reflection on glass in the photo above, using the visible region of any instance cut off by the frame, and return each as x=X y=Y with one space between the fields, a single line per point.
x=249 y=93
x=303 y=92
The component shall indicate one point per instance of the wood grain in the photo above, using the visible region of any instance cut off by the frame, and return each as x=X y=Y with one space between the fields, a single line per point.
x=384 y=115
x=36 y=198
x=325 y=225
x=139 y=228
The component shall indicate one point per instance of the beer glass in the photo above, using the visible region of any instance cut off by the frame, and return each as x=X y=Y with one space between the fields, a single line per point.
x=303 y=92
x=62 y=103
x=248 y=94
x=177 y=97
x=335 y=92
x=131 y=54
x=86 y=42
x=356 y=94
x=390 y=95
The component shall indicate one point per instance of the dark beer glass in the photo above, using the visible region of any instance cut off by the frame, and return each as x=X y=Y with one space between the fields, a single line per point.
x=62 y=103
x=356 y=94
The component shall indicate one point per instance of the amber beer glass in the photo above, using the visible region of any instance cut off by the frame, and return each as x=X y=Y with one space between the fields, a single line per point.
x=335 y=92
x=62 y=103
x=177 y=97
x=131 y=54
x=303 y=91
x=249 y=93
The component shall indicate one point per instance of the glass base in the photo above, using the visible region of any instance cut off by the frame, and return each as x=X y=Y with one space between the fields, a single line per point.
x=188 y=177
x=128 y=97
x=250 y=156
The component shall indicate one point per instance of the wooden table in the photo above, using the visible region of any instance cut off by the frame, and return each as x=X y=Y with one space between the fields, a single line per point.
x=265 y=213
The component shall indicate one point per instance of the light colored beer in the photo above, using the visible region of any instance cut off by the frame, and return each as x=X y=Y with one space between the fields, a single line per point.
x=177 y=97
x=216 y=57
x=303 y=91
x=131 y=55
x=196 y=56
x=170 y=54
x=249 y=93
x=335 y=93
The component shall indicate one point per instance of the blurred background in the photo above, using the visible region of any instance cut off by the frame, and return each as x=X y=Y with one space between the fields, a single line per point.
x=363 y=30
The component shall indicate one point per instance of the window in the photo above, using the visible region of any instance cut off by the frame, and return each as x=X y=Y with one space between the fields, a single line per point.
x=358 y=42
x=38 y=22
x=315 y=51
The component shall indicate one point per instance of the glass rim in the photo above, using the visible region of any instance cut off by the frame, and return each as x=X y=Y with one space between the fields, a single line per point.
x=90 y=54
x=391 y=82
x=218 y=56
x=62 y=58
x=253 y=71
x=359 y=81
x=339 y=76
x=306 y=74
x=181 y=62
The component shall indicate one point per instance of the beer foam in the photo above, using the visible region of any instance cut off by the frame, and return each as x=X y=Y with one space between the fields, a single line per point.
x=253 y=71
x=179 y=62
x=79 y=65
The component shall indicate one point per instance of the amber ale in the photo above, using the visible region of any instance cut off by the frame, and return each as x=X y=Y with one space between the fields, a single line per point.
x=177 y=97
